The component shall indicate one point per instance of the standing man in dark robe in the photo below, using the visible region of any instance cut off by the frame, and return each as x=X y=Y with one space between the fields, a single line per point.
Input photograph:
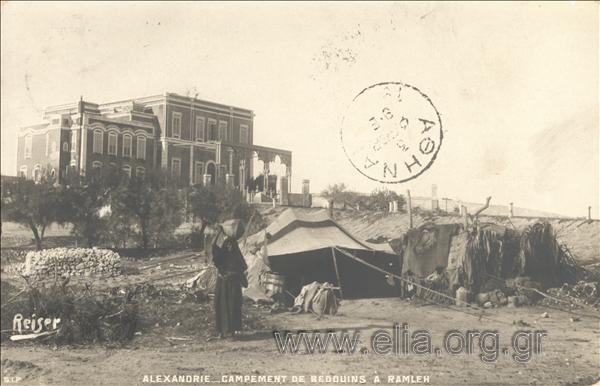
x=231 y=268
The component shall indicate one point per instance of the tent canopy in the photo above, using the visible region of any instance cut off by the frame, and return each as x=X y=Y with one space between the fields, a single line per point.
x=302 y=247
x=295 y=232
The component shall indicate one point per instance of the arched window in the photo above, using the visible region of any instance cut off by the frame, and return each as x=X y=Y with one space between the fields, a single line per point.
x=126 y=145
x=112 y=143
x=23 y=171
x=212 y=171
x=37 y=173
x=140 y=171
x=141 y=147
x=53 y=174
x=127 y=170
x=65 y=146
x=198 y=172
x=98 y=145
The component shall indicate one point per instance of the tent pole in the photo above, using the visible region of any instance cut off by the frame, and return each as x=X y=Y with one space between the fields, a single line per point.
x=337 y=273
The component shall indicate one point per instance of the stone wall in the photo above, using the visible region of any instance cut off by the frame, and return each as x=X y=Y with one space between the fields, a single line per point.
x=72 y=262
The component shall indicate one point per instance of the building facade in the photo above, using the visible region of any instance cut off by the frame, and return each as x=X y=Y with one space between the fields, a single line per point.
x=197 y=141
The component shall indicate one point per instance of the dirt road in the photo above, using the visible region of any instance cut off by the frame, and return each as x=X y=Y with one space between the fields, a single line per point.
x=570 y=353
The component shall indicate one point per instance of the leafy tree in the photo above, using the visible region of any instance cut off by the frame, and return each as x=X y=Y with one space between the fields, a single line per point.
x=215 y=203
x=88 y=195
x=339 y=193
x=203 y=205
x=336 y=193
x=154 y=205
x=121 y=226
x=34 y=205
x=380 y=199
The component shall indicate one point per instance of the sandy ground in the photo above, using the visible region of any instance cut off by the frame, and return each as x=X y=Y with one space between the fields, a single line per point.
x=570 y=354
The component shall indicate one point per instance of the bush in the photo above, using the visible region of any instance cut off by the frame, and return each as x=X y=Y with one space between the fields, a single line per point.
x=84 y=318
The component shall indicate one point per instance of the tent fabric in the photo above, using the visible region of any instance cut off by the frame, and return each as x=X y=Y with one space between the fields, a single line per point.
x=355 y=279
x=306 y=239
x=456 y=257
x=296 y=232
x=301 y=248
x=427 y=248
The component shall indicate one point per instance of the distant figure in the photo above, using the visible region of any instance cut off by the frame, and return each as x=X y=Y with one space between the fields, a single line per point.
x=231 y=267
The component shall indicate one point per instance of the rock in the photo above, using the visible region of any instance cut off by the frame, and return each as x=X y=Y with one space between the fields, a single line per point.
x=545 y=315
x=487 y=305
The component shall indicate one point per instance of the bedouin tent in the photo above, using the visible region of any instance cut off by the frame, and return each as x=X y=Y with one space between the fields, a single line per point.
x=482 y=258
x=306 y=247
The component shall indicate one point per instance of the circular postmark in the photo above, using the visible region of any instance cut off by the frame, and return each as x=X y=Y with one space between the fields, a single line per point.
x=392 y=132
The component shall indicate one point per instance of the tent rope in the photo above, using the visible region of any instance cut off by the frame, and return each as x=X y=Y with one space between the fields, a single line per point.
x=403 y=279
x=480 y=316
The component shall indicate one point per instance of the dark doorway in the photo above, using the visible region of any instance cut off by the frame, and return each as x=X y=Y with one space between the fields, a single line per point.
x=210 y=169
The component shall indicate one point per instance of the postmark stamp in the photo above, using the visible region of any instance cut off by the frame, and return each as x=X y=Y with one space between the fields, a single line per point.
x=392 y=132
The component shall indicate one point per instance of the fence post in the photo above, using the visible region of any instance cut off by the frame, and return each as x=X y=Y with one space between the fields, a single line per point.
x=589 y=212
x=409 y=208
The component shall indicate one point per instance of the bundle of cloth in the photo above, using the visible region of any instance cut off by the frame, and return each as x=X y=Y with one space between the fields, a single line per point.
x=318 y=298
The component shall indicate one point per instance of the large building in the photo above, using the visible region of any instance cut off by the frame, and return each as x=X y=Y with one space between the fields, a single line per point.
x=197 y=141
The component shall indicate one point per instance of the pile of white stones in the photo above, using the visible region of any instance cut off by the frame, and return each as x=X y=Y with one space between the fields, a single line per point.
x=72 y=262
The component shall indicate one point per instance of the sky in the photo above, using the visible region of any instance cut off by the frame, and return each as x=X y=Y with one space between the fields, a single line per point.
x=516 y=85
